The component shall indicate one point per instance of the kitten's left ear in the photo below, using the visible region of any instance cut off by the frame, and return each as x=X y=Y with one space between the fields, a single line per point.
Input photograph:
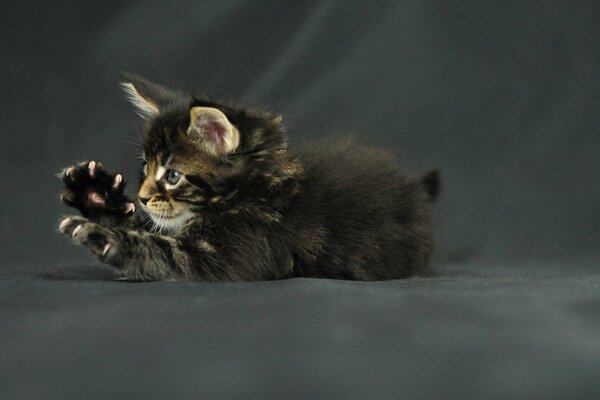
x=217 y=135
x=147 y=97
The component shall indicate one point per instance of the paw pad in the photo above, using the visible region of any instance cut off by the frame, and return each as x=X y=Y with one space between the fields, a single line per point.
x=129 y=208
x=92 y=168
x=95 y=200
x=118 y=180
x=94 y=191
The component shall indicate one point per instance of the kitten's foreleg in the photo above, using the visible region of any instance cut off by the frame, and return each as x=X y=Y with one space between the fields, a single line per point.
x=139 y=255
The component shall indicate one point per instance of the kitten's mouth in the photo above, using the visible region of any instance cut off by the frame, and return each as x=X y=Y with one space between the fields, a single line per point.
x=169 y=223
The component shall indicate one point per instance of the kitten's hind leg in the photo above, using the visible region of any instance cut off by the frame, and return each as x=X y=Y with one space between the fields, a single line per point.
x=95 y=192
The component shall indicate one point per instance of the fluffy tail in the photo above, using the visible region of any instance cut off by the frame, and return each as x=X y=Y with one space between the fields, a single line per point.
x=431 y=184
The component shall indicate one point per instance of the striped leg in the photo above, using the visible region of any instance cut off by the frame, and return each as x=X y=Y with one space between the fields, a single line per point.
x=139 y=255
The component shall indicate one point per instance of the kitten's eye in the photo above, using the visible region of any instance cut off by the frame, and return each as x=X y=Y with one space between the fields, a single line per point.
x=173 y=176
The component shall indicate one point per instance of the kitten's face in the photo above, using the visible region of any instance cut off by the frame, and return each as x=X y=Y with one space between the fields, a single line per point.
x=198 y=153
x=165 y=193
x=181 y=168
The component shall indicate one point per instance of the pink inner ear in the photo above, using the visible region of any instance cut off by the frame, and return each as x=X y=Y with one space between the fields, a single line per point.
x=219 y=136
x=216 y=132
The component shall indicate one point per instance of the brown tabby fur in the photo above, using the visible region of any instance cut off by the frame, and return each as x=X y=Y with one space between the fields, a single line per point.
x=249 y=210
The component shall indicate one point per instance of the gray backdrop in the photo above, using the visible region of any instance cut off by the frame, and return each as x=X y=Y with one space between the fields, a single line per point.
x=503 y=97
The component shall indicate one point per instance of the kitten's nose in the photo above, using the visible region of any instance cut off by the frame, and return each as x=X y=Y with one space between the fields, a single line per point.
x=144 y=200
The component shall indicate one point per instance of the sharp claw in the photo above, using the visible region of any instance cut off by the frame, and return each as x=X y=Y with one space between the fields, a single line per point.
x=69 y=171
x=118 y=180
x=92 y=168
x=64 y=223
x=76 y=230
x=106 y=249
x=129 y=208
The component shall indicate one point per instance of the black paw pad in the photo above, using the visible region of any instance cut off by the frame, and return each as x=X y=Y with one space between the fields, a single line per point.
x=93 y=190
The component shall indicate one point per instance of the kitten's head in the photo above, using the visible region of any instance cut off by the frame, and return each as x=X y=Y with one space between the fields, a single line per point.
x=200 y=155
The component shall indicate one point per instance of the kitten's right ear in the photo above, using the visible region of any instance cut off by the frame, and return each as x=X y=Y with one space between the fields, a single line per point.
x=215 y=133
x=147 y=97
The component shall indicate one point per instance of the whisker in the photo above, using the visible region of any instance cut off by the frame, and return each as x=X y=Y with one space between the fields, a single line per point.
x=133 y=143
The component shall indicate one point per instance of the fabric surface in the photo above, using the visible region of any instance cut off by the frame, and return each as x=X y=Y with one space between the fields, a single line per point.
x=502 y=335
x=502 y=97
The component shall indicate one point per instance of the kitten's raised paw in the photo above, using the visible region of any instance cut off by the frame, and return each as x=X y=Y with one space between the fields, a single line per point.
x=100 y=240
x=94 y=191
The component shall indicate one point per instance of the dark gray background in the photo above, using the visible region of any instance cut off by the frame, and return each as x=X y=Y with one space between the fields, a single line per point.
x=503 y=97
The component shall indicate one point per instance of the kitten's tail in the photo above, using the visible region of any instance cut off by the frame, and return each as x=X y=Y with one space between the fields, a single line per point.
x=431 y=183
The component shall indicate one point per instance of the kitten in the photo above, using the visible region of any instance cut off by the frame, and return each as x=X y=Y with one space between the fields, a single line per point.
x=222 y=199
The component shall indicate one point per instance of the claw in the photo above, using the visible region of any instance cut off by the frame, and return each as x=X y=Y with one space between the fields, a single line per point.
x=92 y=168
x=129 y=208
x=76 y=230
x=64 y=223
x=69 y=171
x=118 y=180
x=106 y=249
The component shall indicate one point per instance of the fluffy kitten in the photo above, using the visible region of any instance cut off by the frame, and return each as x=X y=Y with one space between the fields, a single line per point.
x=222 y=199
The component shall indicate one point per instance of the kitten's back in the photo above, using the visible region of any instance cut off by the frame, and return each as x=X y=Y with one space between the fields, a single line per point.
x=377 y=217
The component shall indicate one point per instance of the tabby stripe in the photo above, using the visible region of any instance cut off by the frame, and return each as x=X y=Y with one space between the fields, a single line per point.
x=199 y=182
x=165 y=246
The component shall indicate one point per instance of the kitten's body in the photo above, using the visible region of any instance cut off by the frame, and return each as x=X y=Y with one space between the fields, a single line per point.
x=240 y=207
x=372 y=220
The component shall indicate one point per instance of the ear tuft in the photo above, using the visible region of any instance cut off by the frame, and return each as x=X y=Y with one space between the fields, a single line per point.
x=145 y=107
x=217 y=135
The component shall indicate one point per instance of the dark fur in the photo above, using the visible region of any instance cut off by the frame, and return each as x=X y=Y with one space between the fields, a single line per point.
x=335 y=209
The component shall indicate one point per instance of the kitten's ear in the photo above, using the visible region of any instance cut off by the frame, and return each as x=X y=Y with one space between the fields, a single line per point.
x=147 y=97
x=217 y=135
